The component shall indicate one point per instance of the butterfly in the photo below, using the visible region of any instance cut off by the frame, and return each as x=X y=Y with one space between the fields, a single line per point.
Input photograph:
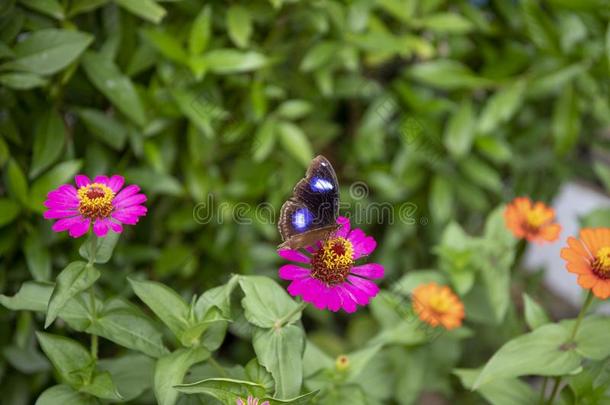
x=310 y=215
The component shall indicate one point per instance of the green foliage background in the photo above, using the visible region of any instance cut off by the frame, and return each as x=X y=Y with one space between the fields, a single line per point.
x=453 y=107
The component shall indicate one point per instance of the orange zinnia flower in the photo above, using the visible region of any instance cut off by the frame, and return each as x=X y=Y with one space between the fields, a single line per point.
x=438 y=305
x=532 y=221
x=589 y=257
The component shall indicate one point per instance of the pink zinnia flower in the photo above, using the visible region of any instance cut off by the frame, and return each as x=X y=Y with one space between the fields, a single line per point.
x=250 y=401
x=332 y=280
x=101 y=203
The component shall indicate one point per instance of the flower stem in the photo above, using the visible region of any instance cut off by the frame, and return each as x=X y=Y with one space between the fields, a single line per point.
x=282 y=322
x=581 y=315
x=543 y=390
x=555 y=389
x=92 y=252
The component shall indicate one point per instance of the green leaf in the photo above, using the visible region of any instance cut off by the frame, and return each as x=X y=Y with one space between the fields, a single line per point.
x=49 y=139
x=102 y=386
x=319 y=55
x=566 y=121
x=239 y=25
x=170 y=371
x=132 y=373
x=295 y=142
x=75 y=278
x=447 y=22
x=129 y=327
x=294 y=109
x=83 y=6
x=539 y=27
x=104 y=247
x=535 y=315
x=280 y=351
x=71 y=360
x=224 y=389
x=22 y=81
x=119 y=89
x=16 y=182
x=447 y=74
x=146 y=9
x=165 y=303
x=166 y=44
x=227 y=61
x=48 y=51
x=37 y=257
x=51 y=8
x=62 y=395
x=481 y=174
x=540 y=352
x=441 y=199
x=501 y=106
x=265 y=302
x=499 y=392
x=591 y=337
x=460 y=131
x=264 y=140
x=201 y=31
x=104 y=127
x=61 y=173
x=33 y=296
x=9 y=210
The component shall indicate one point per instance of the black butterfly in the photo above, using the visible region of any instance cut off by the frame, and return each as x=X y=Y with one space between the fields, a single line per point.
x=311 y=213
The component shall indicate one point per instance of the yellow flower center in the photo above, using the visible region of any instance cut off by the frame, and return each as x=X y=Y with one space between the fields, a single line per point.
x=95 y=201
x=439 y=303
x=535 y=219
x=333 y=262
x=342 y=363
x=601 y=263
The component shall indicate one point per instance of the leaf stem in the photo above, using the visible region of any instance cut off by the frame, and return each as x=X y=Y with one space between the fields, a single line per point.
x=283 y=321
x=218 y=367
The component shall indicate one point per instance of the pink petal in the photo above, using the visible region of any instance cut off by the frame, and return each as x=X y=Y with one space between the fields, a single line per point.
x=129 y=201
x=100 y=227
x=81 y=180
x=116 y=182
x=293 y=272
x=115 y=226
x=294 y=255
x=65 y=223
x=368 y=287
x=239 y=401
x=61 y=203
x=348 y=302
x=334 y=298
x=358 y=295
x=129 y=216
x=79 y=228
x=59 y=213
x=265 y=403
x=101 y=179
x=126 y=192
x=369 y=270
x=345 y=227
x=363 y=245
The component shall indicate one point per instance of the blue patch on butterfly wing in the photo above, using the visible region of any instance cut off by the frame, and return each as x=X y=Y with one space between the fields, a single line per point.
x=301 y=219
x=320 y=185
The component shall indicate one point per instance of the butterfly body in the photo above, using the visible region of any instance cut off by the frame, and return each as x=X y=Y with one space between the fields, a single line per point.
x=310 y=215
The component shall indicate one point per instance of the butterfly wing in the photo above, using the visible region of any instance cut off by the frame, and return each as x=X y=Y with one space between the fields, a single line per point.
x=311 y=213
